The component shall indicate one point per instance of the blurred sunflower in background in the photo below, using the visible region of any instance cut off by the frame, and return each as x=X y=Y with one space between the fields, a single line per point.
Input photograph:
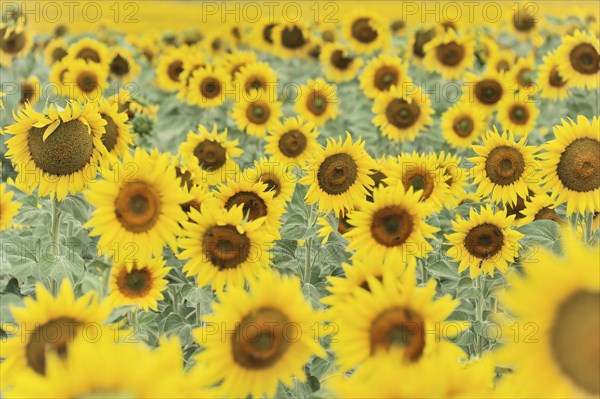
x=523 y=74
x=417 y=41
x=317 y=101
x=540 y=207
x=462 y=124
x=449 y=54
x=15 y=42
x=292 y=141
x=208 y=87
x=8 y=208
x=290 y=39
x=169 y=69
x=579 y=60
x=338 y=63
x=89 y=50
x=122 y=65
x=55 y=50
x=365 y=31
x=255 y=76
x=30 y=91
x=501 y=61
x=85 y=81
x=551 y=83
x=517 y=114
x=256 y=113
x=487 y=90
x=382 y=73
x=278 y=177
x=117 y=137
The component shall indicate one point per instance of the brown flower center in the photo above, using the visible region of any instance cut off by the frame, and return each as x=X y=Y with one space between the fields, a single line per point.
x=555 y=79
x=504 y=165
x=258 y=113
x=419 y=180
x=579 y=165
x=58 y=54
x=463 y=126
x=134 y=284
x=391 y=226
x=574 y=340
x=119 y=66
x=272 y=182
x=518 y=114
x=340 y=61
x=87 y=82
x=585 y=59
x=210 y=87
x=522 y=22
x=225 y=247
x=174 y=70
x=268 y=33
x=524 y=77
x=484 y=241
x=363 y=31
x=254 y=207
x=28 y=92
x=385 y=77
x=399 y=327
x=54 y=335
x=422 y=37
x=187 y=180
x=109 y=138
x=343 y=225
x=137 y=207
x=397 y=26
x=67 y=150
x=337 y=173
x=450 y=54
x=316 y=103
x=292 y=37
x=502 y=66
x=211 y=155
x=88 y=54
x=13 y=43
x=488 y=91
x=401 y=113
x=292 y=143
x=548 y=214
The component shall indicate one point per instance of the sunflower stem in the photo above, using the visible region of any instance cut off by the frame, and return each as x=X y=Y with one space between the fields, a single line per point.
x=54 y=239
x=588 y=232
x=198 y=313
x=307 y=260
x=479 y=304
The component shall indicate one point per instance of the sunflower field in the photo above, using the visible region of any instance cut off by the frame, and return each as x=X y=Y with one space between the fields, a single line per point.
x=304 y=199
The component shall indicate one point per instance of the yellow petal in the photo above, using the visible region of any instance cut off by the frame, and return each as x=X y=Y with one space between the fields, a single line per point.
x=50 y=129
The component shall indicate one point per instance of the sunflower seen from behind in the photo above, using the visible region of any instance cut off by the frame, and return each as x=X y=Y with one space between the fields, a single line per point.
x=292 y=141
x=382 y=73
x=317 y=101
x=256 y=112
x=462 y=124
x=579 y=60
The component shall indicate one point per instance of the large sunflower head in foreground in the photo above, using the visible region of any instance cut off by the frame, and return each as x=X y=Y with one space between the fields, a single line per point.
x=339 y=175
x=366 y=31
x=484 y=242
x=571 y=165
x=268 y=338
x=382 y=73
x=59 y=151
x=222 y=248
x=137 y=207
x=504 y=167
x=579 y=60
x=292 y=141
x=317 y=101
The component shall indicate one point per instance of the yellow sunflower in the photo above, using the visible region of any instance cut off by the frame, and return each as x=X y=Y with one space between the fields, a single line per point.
x=30 y=91
x=365 y=31
x=222 y=248
x=133 y=106
x=501 y=62
x=263 y=337
x=417 y=42
x=256 y=113
x=391 y=227
x=292 y=141
x=235 y=61
x=210 y=156
x=56 y=77
x=137 y=207
x=571 y=165
x=259 y=76
x=117 y=137
x=503 y=167
x=579 y=60
x=85 y=80
x=484 y=241
x=518 y=114
x=526 y=22
x=449 y=54
x=138 y=284
x=192 y=62
x=55 y=50
x=339 y=65
x=8 y=208
x=57 y=152
x=549 y=80
x=339 y=175
x=291 y=39
x=455 y=176
x=208 y=87
x=540 y=207
x=522 y=73
x=382 y=73
x=169 y=69
x=89 y=50
x=278 y=176
x=317 y=101
x=15 y=41
x=560 y=358
x=463 y=124
x=402 y=114
x=262 y=34
x=485 y=48
x=487 y=90
x=122 y=65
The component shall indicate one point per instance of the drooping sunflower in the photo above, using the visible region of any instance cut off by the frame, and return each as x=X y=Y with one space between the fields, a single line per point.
x=15 y=41
x=383 y=73
x=549 y=80
x=567 y=322
x=425 y=175
x=210 y=156
x=169 y=69
x=317 y=101
x=487 y=90
x=540 y=207
x=484 y=241
x=455 y=175
x=57 y=152
x=222 y=248
x=503 y=167
x=291 y=39
x=402 y=114
x=8 y=208
x=137 y=207
x=30 y=91
x=339 y=175
x=292 y=141
x=417 y=42
x=450 y=54
x=208 y=87
x=256 y=113
x=278 y=176
x=365 y=31
x=393 y=316
x=55 y=50
x=48 y=325
x=85 y=81
x=339 y=65
x=122 y=65
x=259 y=76
x=462 y=124
x=517 y=114
x=138 y=284
x=571 y=165
x=579 y=60
x=391 y=227
x=260 y=351
x=89 y=50
x=117 y=137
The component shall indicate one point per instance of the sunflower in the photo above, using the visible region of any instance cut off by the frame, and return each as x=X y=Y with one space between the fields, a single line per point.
x=571 y=165
x=199 y=195
x=462 y=124
x=391 y=227
x=137 y=207
x=382 y=73
x=455 y=176
x=425 y=175
x=169 y=69
x=208 y=87
x=235 y=61
x=85 y=80
x=138 y=284
x=526 y=23
x=417 y=42
x=117 y=137
x=292 y=141
x=255 y=113
x=449 y=54
x=15 y=41
x=30 y=91
x=55 y=50
x=259 y=76
x=122 y=65
x=540 y=207
x=56 y=77
x=485 y=48
x=339 y=65
x=258 y=351
x=579 y=61
x=291 y=39
x=567 y=322
x=278 y=176
x=523 y=74
x=484 y=242
x=501 y=62
x=222 y=248
x=255 y=200
x=8 y=208
x=262 y=34
x=133 y=105
x=210 y=156
x=146 y=44
x=549 y=80
x=317 y=101
x=217 y=43
x=517 y=114
x=58 y=152
x=487 y=90
x=401 y=115
x=365 y=31
x=192 y=62
x=89 y=50
x=503 y=167
x=339 y=175
x=49 y=325
x=393 y=316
